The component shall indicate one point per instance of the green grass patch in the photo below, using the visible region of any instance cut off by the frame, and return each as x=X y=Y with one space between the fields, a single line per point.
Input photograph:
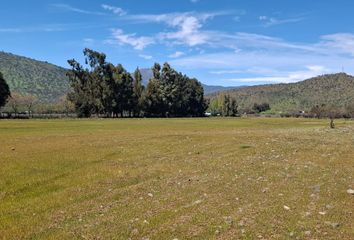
x=176 y=178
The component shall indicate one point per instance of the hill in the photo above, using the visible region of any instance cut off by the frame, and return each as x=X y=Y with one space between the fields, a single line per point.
x=331 y=89
x=209 y=89
x=27 y=76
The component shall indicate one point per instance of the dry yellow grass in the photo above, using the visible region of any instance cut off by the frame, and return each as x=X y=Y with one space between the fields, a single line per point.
x=176 y=178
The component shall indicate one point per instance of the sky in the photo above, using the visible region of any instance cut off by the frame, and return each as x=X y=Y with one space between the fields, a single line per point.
x=223 y=42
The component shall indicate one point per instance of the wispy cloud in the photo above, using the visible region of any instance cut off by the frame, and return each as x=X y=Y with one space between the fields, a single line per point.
x=67 y=7
x=222 y=72
x=115 y=10
x=342 y=42
x=39 y=28
x=267 y=59
x=286 y=77
x=176 y=54
x=188 y=26
x=271 y=21
x=11 y=30
x=138 y=43
x=146 y=57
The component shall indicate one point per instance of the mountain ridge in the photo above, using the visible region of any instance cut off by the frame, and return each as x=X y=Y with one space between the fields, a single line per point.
x=329 y=89
x=44 y=80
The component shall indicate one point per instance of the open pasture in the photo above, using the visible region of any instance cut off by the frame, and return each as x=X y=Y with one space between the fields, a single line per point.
x=176 y=179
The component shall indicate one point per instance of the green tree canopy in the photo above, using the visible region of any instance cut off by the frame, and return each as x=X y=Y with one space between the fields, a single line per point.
x=4 y=91
x=102 y=88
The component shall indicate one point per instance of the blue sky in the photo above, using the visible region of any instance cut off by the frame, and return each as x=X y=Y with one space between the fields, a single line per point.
x=224 y=42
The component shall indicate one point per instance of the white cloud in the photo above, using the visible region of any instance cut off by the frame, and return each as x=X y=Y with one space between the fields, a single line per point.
x=343 y=42
x=115 y=10
x=177 y=54
x=286 y=77
x=221 y=72
x=67 y=7
x=40 y=28
x=146 y=57
x=271 y=21
x=138 y=43
x=267 y=59
x=260 y=58
x=11 y=30
x=188 y=26
x=188 y=32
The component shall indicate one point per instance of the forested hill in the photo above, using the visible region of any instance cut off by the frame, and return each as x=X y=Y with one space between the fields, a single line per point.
x=27 y=76
x=332 y=90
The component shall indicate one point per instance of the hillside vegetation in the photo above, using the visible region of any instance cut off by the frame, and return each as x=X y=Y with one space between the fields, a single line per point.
x=332 y=89
x=30 y=77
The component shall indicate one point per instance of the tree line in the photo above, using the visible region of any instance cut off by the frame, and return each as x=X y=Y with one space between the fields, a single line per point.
x=104 y=89
x=226 y=106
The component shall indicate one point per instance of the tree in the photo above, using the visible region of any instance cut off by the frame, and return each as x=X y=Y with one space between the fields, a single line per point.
x=214 y=107
x=350 y=110
x=138 y=91
x=29 y=101
x=261 y=107
x=225 y=105
x=122 y=91
x=80 y=89
x=194 y=104
x=171 y=94
x=318 y=111
x=15 y=102
x=107 y=89
x=65 y=105
x=4 y=91
x=155 y=102
x=89 y=85
x=233 y=107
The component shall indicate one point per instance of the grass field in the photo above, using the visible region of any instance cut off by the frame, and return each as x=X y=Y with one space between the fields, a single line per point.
x=176 y=179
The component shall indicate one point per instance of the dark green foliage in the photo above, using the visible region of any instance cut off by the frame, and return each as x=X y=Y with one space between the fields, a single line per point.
x=105 y=89
x=4 y=91
x=123 y=102
x=147 y=74
x=332 y=90
x=101 y=89
x=30 y=77
x=138 y=94
x=172 y=94
x=258 y=108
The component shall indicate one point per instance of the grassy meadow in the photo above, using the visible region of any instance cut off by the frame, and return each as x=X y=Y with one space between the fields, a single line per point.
x=176 y=179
